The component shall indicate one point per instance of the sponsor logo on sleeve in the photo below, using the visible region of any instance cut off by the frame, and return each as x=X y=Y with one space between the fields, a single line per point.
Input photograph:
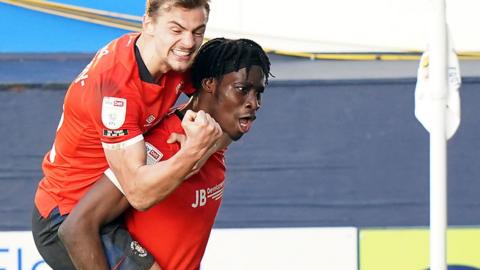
x=153 y=154
x=118 y=103
x=113 y=112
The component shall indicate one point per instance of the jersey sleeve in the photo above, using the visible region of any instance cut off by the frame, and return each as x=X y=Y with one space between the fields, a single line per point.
x=156 y=147
x=120 y=122
x=117 y=117
x=156 y=139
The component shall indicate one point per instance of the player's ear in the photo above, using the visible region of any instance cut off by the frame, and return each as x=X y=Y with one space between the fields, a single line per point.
x=148 y=25
x=209 y=84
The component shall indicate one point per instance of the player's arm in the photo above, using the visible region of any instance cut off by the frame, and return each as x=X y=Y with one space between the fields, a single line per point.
x=80 y=232
x=144 y=185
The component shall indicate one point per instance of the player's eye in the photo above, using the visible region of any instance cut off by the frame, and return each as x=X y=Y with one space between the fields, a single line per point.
x=199 y=33
x=242 y=88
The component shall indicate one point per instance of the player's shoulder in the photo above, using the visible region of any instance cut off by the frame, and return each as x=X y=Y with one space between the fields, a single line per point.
x=183 y=81
x=170 y=123
x=117 y=72
x=121 y=46
x=116 y=60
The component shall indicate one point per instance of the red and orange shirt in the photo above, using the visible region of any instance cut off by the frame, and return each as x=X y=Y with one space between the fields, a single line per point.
x=176 y=230
x=107 y=106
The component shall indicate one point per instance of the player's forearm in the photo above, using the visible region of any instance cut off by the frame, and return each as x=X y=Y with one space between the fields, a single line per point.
x=145 y=185
x=150 y=184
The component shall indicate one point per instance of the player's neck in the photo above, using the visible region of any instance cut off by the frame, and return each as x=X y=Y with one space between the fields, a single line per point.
x=196 y=103
x=154 y=64
x=223 y=141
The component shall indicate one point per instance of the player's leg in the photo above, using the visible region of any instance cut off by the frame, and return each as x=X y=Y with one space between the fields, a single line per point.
x=49 y=246
x=123 y=252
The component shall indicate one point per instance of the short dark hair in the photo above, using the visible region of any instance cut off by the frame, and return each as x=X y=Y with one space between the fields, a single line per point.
x=153 y=6
x=220 y=56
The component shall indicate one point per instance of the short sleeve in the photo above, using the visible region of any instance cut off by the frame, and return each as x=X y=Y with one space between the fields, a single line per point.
x=116 y=116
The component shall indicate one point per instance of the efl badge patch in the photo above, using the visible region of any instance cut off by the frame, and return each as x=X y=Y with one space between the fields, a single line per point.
x=113 y=112
x=153 y=154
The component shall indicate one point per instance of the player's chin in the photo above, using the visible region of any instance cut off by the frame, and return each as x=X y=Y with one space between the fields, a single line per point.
x=181 y=66
x=236 y=136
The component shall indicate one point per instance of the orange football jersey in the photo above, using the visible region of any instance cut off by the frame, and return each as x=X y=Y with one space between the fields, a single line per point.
x=106 y=106
x=176 y=230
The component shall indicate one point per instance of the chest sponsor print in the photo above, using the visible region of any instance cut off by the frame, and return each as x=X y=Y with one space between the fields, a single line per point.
x=203 y=195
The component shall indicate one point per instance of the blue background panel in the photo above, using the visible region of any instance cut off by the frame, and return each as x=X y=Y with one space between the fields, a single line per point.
x=131 y=7
x=321 y=153
x=26 y=31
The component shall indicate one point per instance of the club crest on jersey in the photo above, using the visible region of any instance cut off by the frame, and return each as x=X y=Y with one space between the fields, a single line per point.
x=137 y=249
x=113 y=112
x=153 y=154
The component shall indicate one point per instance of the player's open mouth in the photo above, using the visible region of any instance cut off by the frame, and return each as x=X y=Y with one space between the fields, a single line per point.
x=246 y=122
x=182 y=54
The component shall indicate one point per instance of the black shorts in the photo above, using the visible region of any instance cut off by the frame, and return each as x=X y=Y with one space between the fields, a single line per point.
x=121 y=251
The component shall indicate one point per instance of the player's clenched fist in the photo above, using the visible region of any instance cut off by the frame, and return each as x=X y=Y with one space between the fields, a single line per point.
x=201 y=131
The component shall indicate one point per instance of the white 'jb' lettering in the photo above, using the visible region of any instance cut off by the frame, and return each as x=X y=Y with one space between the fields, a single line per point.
x=200 y=198
x=212 y=193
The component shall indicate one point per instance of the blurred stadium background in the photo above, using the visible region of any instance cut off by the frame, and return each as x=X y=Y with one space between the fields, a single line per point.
x=334 y=175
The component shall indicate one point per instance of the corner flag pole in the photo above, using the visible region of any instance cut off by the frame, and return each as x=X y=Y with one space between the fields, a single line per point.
x=438 y=139
x=437 y=107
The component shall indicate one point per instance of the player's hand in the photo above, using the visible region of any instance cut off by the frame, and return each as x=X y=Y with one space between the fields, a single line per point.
x=177 y=138
x=201 y=130
x=180 y=138
x=201 y=135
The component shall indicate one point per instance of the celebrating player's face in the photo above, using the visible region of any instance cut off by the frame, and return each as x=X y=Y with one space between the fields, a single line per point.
x=178 y=33
x=238 y=97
